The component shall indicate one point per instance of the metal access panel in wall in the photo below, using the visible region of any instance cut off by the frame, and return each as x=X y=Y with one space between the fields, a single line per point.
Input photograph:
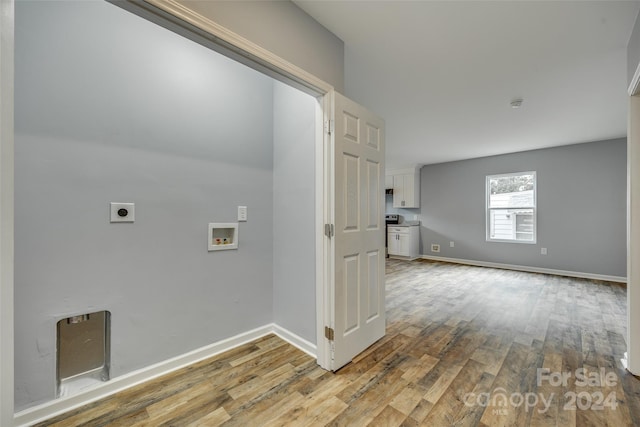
x=83 y=351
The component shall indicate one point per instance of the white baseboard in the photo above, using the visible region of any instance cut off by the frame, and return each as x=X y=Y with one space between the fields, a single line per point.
x=61 y=405
x=528 y=269
x=296 y=341
x=406 y=258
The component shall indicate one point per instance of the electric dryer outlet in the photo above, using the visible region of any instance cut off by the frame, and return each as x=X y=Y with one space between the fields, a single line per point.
x=122 y=212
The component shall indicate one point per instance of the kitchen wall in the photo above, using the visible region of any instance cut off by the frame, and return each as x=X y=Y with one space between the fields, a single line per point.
x=294 y=211
x=407 y=214
x=581 y=192
x=110 y=107
x=285 y=30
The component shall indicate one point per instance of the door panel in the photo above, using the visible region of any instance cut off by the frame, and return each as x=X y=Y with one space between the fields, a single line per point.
x=351 y=191
x=351 y=281
x=358 y=314
x=373 y=136
x=373 y=202
x=373 y=259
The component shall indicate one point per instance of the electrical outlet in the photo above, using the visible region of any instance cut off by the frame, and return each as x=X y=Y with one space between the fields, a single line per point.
x=435 y=248
x=452 y=244
x=543 y=251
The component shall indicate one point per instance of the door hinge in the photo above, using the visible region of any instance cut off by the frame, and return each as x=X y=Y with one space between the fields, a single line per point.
x=329 y=126
x=328 y=230
x=328 y=333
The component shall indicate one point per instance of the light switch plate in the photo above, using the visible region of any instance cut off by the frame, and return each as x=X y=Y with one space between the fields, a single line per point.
x=122 y=212
x=242 y=213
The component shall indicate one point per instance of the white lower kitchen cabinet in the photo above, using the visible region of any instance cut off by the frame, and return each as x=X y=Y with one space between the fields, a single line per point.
x=403 y=241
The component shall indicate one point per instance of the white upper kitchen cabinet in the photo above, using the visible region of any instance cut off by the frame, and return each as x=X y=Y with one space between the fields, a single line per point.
x=388 y=182
x=406 y=189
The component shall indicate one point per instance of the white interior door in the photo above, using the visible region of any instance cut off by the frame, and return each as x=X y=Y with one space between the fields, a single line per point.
x=359 y=289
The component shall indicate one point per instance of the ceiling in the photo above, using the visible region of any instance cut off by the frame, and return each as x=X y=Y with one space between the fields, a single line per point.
x=443 y=73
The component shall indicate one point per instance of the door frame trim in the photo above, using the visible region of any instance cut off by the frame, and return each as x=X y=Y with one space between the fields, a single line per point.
x=231 y=45
x=325 y=248
x=632 y=361
x=6 y=211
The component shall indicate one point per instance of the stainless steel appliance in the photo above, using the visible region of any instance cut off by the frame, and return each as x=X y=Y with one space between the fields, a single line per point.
x=389 y=219
x=392 y=218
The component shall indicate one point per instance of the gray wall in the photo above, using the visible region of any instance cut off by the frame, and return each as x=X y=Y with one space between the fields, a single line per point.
x=110 y=107
x=581 y=191
x=294 y=301
x=284 y=29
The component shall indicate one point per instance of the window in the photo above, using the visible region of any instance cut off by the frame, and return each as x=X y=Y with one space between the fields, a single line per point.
x=511 y=207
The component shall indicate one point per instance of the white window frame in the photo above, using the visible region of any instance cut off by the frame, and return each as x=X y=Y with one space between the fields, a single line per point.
x=488 y=209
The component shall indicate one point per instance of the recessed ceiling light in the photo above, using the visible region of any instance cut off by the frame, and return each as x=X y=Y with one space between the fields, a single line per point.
x=516 y=103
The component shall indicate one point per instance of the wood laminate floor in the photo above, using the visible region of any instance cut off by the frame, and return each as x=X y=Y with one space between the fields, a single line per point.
x=465 y=346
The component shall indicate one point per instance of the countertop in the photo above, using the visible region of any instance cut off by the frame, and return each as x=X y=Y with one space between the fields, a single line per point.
x=405 y=224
